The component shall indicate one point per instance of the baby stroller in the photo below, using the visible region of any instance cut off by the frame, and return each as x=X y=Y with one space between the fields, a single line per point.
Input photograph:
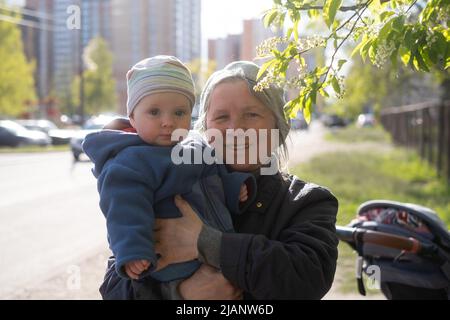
x=407 y=244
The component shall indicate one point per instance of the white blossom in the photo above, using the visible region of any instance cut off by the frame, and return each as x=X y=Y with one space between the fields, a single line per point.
x=266 y=47
x=384 y=51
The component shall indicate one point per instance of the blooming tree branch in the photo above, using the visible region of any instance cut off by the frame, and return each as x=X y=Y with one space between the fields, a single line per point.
x=412 y=32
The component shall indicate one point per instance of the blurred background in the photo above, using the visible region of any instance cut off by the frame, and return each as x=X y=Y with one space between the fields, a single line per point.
x=62 y=77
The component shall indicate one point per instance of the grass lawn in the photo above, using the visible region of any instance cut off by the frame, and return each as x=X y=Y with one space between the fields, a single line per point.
x=28 y=149
x=352 y=134
x=356 y=177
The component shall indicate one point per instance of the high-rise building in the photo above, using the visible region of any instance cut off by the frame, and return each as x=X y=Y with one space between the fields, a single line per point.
x=68 y=44
x=225 y=50
x=188 y=29
x=66 y=47
x=56 y=47
x=96 y=20
x=134 y=29
x=146 y=28
x=239 y=46
x=37 y=43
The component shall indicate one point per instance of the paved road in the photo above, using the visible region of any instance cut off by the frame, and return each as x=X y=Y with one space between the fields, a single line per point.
x=49 y=219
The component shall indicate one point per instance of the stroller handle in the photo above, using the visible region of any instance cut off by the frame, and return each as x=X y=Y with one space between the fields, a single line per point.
x=359 y=235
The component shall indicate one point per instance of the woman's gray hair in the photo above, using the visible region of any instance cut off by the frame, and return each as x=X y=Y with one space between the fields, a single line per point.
x=272 y=98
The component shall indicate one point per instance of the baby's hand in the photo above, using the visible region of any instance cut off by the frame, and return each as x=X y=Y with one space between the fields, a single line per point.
x=136 y=267
x=243 y=194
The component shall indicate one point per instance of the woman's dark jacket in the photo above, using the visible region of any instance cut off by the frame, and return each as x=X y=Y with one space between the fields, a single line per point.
x=285 y=246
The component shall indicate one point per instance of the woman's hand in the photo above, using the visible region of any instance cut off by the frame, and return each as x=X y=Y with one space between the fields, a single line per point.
x=176 y=239
x=208 y=283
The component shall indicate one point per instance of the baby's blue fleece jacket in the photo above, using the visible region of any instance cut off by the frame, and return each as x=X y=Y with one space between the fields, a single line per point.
x=137 y=183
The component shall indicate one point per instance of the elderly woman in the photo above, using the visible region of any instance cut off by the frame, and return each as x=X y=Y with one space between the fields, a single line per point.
x=285 y=246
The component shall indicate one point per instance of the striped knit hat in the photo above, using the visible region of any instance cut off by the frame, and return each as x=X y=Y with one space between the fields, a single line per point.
x=158 y=74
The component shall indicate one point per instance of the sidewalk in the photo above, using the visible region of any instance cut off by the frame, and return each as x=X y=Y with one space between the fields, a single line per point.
x=79 y=281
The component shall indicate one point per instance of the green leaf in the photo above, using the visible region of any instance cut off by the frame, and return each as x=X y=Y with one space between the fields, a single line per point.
x=282 y=68
x=358 y=47
x=421 y=62
x=373 y=51
x=302 y=61
x=296 y=30
x=341 y=63
x=330 y=9
x=281 y=19
x=270 y=17
x=425 y=52
x=323 y=93
x=385 y=30
x=264 y=67
x=313 y=96
x=386 y=14
x=375 y=4
x=398 y=24
x=405 y=55
x=289 y=32
x=294 y=110
x=335 y=85
x=307 y=109
x=446 y=34
x=394 y=4
x=313 y=13
x=336 y=24
x=321 y=71
x=394 y=58
x=288 y=108
x=428 y=12
x=293 y=50
x=292 y=107
x=440 y=44
x=365 y=49
x=434 y=54
x=276 y=54
x=294 y=15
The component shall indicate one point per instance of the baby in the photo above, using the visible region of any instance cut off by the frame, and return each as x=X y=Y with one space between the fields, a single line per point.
x=137 y=178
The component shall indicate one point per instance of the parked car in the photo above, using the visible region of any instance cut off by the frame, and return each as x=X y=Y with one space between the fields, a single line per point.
x=35 y=124
x=13 y=134
x=92 y=125
x=365 y=120
x=58 y=136
x=333 y=120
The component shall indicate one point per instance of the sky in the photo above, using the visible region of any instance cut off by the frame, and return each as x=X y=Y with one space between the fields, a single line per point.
x=16 y=2
x=222 y=17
